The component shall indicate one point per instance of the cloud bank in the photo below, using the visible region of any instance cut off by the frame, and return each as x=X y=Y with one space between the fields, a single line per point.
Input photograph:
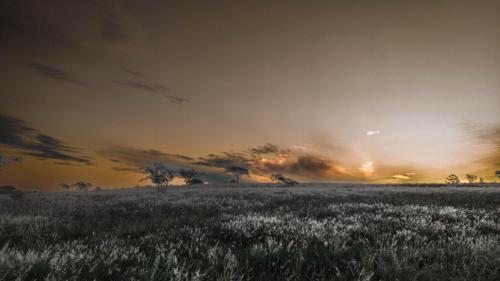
x=261 y=161
x=17 y=134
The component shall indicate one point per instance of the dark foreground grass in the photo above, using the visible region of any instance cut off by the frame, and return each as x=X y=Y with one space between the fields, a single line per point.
x=262 y=234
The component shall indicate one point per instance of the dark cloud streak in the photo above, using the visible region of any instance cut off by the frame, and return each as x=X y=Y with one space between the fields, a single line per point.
x=155 y=89
x=223 y=160
x=488 y=137
x=265 y=149
x=54 y=73
x=15 y=133
x=134 y=160
x=132 y=72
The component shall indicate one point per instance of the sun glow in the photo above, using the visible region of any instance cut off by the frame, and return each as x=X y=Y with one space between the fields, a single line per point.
x=367 y=168
x=276 y=160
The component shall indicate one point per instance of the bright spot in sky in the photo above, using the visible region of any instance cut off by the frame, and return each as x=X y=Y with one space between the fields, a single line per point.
x=367 y=168
x=401 y=177
x=277 y=160
x=371 y=133
x=405 y=176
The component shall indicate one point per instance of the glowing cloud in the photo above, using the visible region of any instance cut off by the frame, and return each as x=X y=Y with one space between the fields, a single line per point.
x=401 y=177
x=404 y=177
x=371 y=133
x=367 y=168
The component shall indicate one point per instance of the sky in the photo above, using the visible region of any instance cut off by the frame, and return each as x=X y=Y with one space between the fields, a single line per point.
x=319 y=91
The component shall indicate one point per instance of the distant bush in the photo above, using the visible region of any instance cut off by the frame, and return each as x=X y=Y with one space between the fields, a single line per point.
x=82 y=186
x=237 y=171
x=190 y=176
x=17 y=195
x=7 y=189
x=481 y=180
x=471 y=178
x=284 y=180
x=195 y=182
x=160 y=175
x=452 y=179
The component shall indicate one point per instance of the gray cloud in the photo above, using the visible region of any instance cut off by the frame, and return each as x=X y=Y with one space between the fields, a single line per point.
x=488 y=137
x=310 y=164
x=155 y=89
x=143 y=86
x=134 y=160
x=54 y=73
x=267 y=159
x=127 y=169
x=177 y=100
x=261 y=160
x=224 y=160
x=265 y=149
x=132 y=72
x=17 y=134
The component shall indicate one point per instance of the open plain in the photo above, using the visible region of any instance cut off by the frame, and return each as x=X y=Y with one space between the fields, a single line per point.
x=309 y=232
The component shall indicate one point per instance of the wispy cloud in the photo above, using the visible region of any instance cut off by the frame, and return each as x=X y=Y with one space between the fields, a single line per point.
x=15 y=133
x=142 y=86
x=132 y=72
x=223 y=160
x=54 y=73
x=155 y=89
x=132 y=159
x=265 y=149
x=404 y=177
x=488 y=136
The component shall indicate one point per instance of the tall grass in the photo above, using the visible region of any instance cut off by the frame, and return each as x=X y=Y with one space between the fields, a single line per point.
x=324 y=234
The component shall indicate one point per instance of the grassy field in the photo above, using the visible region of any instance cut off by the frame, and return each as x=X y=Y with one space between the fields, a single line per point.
x=264 y=233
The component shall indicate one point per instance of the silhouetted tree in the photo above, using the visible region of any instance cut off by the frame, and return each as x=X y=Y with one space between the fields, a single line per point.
x=7 y=189
x=189 y=175
x=159 y=175
x=481 y=180
x=17 y=195
x=4 y=160
x=452 y=179
x=65 y=187
x=471 y=178
x=286 y=181
x=238 y=171
x=196 y=181
x=82 y=186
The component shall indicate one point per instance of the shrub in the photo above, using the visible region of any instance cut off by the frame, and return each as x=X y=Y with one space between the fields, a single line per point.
x=17 y=195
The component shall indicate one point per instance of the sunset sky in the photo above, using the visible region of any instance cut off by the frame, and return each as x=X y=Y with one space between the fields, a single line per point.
x=347 y=91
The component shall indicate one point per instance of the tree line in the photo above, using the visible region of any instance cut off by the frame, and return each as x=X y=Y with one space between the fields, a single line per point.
x=160 y=175
x=470 y=178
